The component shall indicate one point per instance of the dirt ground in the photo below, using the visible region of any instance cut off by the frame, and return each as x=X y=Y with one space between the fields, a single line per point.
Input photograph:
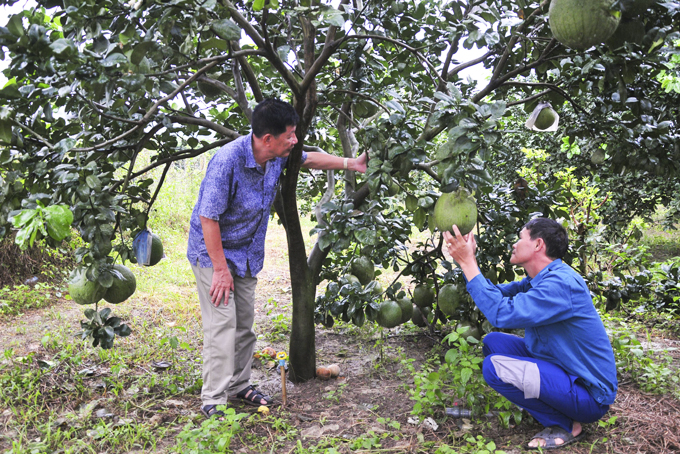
x=367 y=389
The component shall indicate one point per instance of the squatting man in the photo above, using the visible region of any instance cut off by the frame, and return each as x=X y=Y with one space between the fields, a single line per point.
x=226 y=245
x=563 y=371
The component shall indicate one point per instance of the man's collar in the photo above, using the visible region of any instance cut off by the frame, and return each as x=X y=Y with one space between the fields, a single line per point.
x=551 y=266
x=250 y=157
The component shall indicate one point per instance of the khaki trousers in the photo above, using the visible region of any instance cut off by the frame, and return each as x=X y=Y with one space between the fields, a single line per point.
x=228 y=337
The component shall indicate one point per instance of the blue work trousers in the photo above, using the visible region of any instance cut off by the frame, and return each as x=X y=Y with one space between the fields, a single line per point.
x=545 y=390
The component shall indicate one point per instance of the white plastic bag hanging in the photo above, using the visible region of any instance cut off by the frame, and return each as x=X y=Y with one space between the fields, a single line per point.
x=543 y=118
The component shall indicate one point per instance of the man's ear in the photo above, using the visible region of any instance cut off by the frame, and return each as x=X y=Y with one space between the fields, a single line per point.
x=540 y=244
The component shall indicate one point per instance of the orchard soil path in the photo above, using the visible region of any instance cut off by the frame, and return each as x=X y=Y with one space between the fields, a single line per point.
x=370 y=387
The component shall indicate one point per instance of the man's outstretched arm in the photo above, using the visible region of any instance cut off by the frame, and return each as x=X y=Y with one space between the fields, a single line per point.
x=323 y=161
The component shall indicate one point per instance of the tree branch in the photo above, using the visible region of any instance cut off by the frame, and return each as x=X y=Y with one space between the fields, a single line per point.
x=271 y=54
x=150 y=112
x=248 y=71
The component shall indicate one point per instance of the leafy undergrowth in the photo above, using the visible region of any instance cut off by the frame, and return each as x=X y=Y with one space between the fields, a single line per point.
x=58 y=394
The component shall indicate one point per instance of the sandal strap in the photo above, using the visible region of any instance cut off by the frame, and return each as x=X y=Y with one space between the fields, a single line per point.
x=255 y=394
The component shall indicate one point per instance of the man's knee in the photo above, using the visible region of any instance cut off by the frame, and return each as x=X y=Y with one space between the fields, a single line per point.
x=501 y=371
x=491 y=341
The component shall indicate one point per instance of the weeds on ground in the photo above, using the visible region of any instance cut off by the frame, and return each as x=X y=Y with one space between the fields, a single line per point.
x=651 y=369
x=458 y=380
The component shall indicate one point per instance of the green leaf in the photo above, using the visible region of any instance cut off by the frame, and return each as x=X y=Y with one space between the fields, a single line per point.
x=6 y=131
x=123 y=330
x=113 y=60
x=226 y=29
x=65 y=145
x=23 y=218
x=465 y=375
x=93 y=182
x=419 y=218
x=366 y=236
x=15 y=25
x=63 y=46
x=258 y=5
x=140 y=51
x=11 y=89
x=58 y=219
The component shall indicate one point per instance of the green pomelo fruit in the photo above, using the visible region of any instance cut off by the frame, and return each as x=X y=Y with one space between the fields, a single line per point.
x=423 y=296
x=487 y=327
x=457 y=208
x=545 y=119
x=82 y=290
x=581 y=24
x=351 y=279
x=378 y=289
x=628 y=31
x=123 y=287
x=419 y=316
x=362 y=267
x=392 y=188
x=448 y=299
x=389 y=314
x=364 y=109
x=156 y=249
x=598 y=156
x=406 y=307
x=469 y=331
x=328 y=321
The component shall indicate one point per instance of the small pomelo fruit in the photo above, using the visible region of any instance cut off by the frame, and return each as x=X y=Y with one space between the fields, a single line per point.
x=364 y=109
x=362 y=267
x=323 y=373
x=156 y=249
x=334 y=370
x=423 y=296
x=581 y=24
x=123 y=287
x=546 y=118
x=389 y=314
x=469 y=330
x=406 y=307
x=82 y=290
x=448 y=299
x=420 y=314
x=351 y=279
x=598 y=157
x=457 y=208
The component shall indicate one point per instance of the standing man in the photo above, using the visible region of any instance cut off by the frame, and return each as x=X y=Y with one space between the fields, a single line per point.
x=226 y=245
x=563 y=371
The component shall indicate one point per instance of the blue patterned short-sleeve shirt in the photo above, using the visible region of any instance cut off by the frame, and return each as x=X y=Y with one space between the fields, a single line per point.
x=238 y=193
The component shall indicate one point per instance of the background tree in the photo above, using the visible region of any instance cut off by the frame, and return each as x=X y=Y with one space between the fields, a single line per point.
x=94 y=83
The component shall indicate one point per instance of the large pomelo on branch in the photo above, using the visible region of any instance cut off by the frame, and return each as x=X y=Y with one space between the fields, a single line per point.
x=423 y=296
x=123 y=286
x=449 y=299
x=389 y=314
x=406 y=307
x=82 y=290
x=581 y=24
x=457 y=208
x=362 y=267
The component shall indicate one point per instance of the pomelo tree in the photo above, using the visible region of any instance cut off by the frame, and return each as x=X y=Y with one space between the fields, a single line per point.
x=92 y=84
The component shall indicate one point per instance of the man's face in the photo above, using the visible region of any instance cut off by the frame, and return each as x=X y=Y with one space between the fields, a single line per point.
x=523 y=250
x=283 y=144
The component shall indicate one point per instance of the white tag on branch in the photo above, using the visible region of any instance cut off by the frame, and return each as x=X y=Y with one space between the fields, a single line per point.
x=543 y=118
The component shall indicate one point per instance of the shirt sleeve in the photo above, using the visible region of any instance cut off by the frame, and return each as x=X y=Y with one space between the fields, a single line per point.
x=521 y=305
x=303 y=157
x=217 y=185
